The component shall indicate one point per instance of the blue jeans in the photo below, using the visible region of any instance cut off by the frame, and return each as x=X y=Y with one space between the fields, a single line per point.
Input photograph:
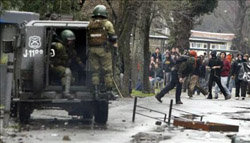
x=224 y=85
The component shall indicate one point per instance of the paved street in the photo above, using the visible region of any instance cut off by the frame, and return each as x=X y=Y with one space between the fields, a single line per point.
x=54 y=125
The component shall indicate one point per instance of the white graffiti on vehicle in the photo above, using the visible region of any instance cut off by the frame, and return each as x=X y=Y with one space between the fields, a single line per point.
x=32 y=53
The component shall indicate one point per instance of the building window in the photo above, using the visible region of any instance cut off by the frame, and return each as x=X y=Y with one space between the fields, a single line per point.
x=214 y=46
x=223 y=47
x=193 y=45
x=205 y=46
x=198 y=45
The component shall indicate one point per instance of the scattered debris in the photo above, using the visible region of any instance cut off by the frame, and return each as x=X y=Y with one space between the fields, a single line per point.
x=158 y=123
x=190 y=116
x=43 y=127
x=54 y=135
x=66 y=138
x=206 y=126
x=149 y=138
x=236 y=139
x=12 y=135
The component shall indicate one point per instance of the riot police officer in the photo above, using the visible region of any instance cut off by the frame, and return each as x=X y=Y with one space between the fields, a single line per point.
x=101 y=38
x=60 y=62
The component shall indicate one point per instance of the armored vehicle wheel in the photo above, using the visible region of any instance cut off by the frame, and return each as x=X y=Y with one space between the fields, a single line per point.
x=101 y=113
x=24 y=113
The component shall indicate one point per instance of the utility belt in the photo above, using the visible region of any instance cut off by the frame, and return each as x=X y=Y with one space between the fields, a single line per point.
x=105 y=46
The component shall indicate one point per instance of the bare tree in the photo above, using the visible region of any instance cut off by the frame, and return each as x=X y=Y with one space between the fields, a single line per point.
x=239 y=42
x=124 y=17
x=180 y=17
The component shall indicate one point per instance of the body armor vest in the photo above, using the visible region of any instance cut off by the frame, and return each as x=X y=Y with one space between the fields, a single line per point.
x=98 y=34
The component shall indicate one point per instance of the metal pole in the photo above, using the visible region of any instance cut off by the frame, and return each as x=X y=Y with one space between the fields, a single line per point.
x=134 y=110
x=170 y=112
x=165 y=117
x=201 y=118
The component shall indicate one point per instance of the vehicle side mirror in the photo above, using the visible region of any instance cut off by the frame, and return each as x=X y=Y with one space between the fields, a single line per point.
x=8 y=46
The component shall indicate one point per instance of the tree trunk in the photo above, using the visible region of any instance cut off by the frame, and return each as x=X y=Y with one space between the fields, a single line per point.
x=238 y=42
x=126 y=23
x=146 y=22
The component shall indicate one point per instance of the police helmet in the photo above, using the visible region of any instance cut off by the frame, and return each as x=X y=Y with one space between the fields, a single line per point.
x=100 y=11
x=67 y=35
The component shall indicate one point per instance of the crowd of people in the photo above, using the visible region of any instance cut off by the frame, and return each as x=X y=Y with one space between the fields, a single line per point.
x=192 y=73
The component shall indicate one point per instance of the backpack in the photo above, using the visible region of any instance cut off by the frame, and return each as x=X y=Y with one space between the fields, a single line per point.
x=97 y=33
x=244 y=72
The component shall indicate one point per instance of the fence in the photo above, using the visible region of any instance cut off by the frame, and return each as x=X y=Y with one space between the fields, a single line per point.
x=165 y=115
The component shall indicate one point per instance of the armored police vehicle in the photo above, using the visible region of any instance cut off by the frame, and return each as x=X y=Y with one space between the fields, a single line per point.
x=36 y=87
x=11 y=37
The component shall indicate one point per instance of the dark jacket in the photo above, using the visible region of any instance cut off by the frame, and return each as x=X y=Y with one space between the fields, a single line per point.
x=214 y=61
x=203 y=71
x=185 y=66
x=197 y=69
x=168 y=64
x=159 y=56
x=236 y=67
x=159 y=72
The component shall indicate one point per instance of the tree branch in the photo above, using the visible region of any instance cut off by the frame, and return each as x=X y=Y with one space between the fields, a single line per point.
x=112 y=9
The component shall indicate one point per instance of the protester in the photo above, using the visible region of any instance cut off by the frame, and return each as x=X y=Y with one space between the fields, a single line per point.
x=246 y=57
x=230 y=81
x=157 y=54
x=167 y=65
x=202 y=75
x=215 y=66
x=174 y=54
x=194 y=78
x=224 y=75
x=164 y=55
x=239 y=84
x=182 y=68
x=158 y=75
x=152 y=71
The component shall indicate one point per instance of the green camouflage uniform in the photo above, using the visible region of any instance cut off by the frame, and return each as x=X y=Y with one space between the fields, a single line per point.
x=59 y=62
x=62 y=60
x=101 y=58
